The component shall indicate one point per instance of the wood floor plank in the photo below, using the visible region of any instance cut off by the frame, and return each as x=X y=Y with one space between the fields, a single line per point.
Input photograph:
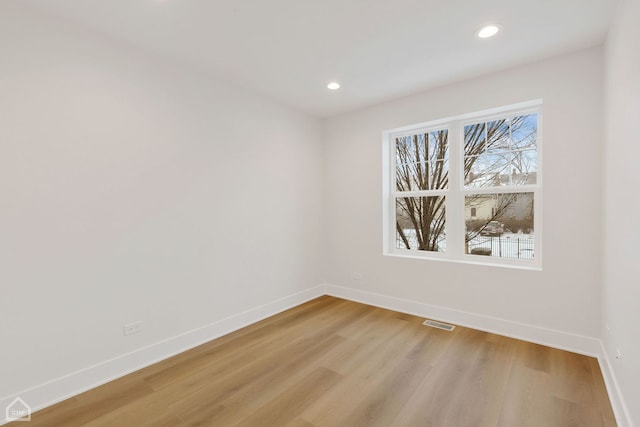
x=332 y=362
x=529 y=398
x=288 y=405
x=384 y=401
x=299 y=422
x=80 y=410
x=248 y=396
x=470 y=371
x=363 y=371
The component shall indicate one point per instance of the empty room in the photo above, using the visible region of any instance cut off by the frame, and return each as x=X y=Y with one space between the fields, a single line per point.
x=336 y=213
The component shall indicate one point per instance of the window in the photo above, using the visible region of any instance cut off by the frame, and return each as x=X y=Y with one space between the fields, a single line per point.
x=466 y=188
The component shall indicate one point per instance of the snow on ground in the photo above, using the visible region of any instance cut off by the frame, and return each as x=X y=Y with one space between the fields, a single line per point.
x=508 y=245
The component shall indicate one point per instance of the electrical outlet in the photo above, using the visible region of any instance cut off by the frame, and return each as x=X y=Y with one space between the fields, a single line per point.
x=618 y=354
x=357 y=276
x=132 y=328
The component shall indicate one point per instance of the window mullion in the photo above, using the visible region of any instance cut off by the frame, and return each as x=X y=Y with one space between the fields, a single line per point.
x=500 y=188
x=454 y=201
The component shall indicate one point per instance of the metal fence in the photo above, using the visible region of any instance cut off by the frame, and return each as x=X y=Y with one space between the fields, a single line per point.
x=519 y=246
x=507 y=245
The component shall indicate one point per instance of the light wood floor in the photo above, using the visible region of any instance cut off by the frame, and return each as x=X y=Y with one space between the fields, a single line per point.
x=332 y=362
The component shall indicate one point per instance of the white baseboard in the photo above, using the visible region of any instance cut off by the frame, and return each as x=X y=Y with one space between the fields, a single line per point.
x=623 y=417
x=85 y=379
x=549 y=337
x=59 y=389
x=553 y=338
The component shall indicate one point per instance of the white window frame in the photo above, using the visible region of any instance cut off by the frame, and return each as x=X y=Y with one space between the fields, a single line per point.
x=455 y=193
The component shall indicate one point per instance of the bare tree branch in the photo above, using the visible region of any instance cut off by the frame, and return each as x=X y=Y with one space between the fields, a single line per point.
x=422 y=164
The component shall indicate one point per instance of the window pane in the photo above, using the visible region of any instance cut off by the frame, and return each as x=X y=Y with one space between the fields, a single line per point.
x=420 y=223
x=502 y=225
x=487 y=170
x=525 y=167
x=501 y=152
x=438 y=145
x=524 y=132
x=422 y=161
x=499 y=135
x=475 y=139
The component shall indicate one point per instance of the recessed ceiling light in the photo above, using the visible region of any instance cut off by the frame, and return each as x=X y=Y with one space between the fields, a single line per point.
x=333 y=86
x=488 y=31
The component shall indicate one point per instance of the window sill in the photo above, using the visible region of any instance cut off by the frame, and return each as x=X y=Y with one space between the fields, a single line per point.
x=470 y=259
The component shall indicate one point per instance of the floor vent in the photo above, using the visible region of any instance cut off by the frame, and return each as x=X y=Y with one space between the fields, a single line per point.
x=439 y=325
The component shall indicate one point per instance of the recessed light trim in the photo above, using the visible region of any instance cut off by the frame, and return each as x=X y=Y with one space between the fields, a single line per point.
x=333 y=86
x=488 y=31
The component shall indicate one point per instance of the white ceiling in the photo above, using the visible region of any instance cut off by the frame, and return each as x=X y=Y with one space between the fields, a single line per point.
x=289 y=50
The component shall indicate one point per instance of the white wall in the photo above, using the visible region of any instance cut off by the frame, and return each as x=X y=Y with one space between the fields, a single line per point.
x=133 y=189
x=621 y=270
x=565 y=295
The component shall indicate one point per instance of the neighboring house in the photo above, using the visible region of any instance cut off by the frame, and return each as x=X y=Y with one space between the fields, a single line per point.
x=504 y=207
x=481 y=207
